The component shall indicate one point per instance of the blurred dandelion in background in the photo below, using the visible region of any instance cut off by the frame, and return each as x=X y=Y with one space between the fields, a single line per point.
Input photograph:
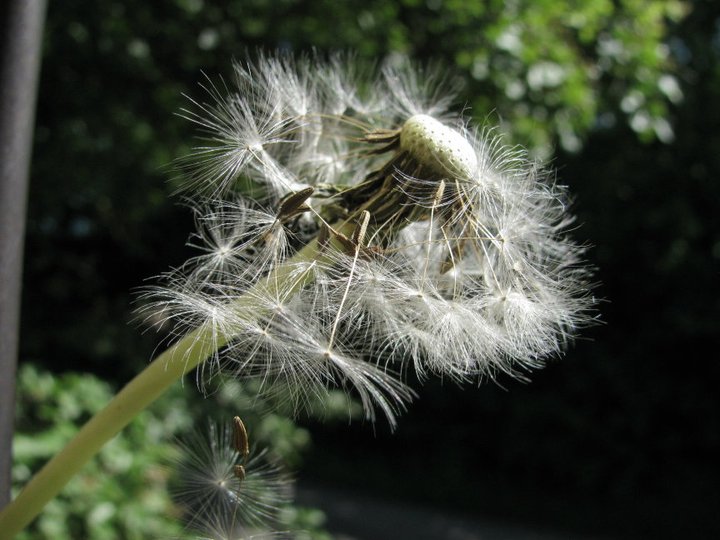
x=227 y=492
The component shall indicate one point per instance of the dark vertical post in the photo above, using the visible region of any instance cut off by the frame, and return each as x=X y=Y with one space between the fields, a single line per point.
x=21 y=41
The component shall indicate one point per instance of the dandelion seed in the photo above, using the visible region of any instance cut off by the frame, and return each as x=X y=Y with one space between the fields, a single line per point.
x=240 y=438
x=213 y=494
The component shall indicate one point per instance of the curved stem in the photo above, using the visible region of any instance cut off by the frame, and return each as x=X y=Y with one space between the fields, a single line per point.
x=145 y=388
x=138 y=394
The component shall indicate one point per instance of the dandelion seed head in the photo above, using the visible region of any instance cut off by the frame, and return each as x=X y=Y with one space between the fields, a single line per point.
x=351 y=226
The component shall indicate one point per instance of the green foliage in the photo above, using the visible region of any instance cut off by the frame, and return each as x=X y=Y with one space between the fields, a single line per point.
x=124 y=492
x=552 y=70
x=121 y=494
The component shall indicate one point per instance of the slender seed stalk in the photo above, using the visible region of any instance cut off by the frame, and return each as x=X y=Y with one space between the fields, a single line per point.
x=136 y=396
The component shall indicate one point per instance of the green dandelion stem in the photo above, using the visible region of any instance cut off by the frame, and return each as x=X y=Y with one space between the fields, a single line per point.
x=138 y=394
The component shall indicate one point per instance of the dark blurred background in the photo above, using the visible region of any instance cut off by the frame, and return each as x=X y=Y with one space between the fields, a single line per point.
x=621 y=438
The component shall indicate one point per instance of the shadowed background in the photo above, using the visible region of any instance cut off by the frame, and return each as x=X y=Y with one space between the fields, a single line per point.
x=621 y=437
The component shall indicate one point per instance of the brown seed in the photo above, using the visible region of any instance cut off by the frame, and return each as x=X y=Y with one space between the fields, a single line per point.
x=240 y=438
x=294 y=203
x=239 y=472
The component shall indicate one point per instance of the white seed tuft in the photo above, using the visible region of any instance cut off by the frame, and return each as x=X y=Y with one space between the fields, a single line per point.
x=461 y=266
x=438 y=146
